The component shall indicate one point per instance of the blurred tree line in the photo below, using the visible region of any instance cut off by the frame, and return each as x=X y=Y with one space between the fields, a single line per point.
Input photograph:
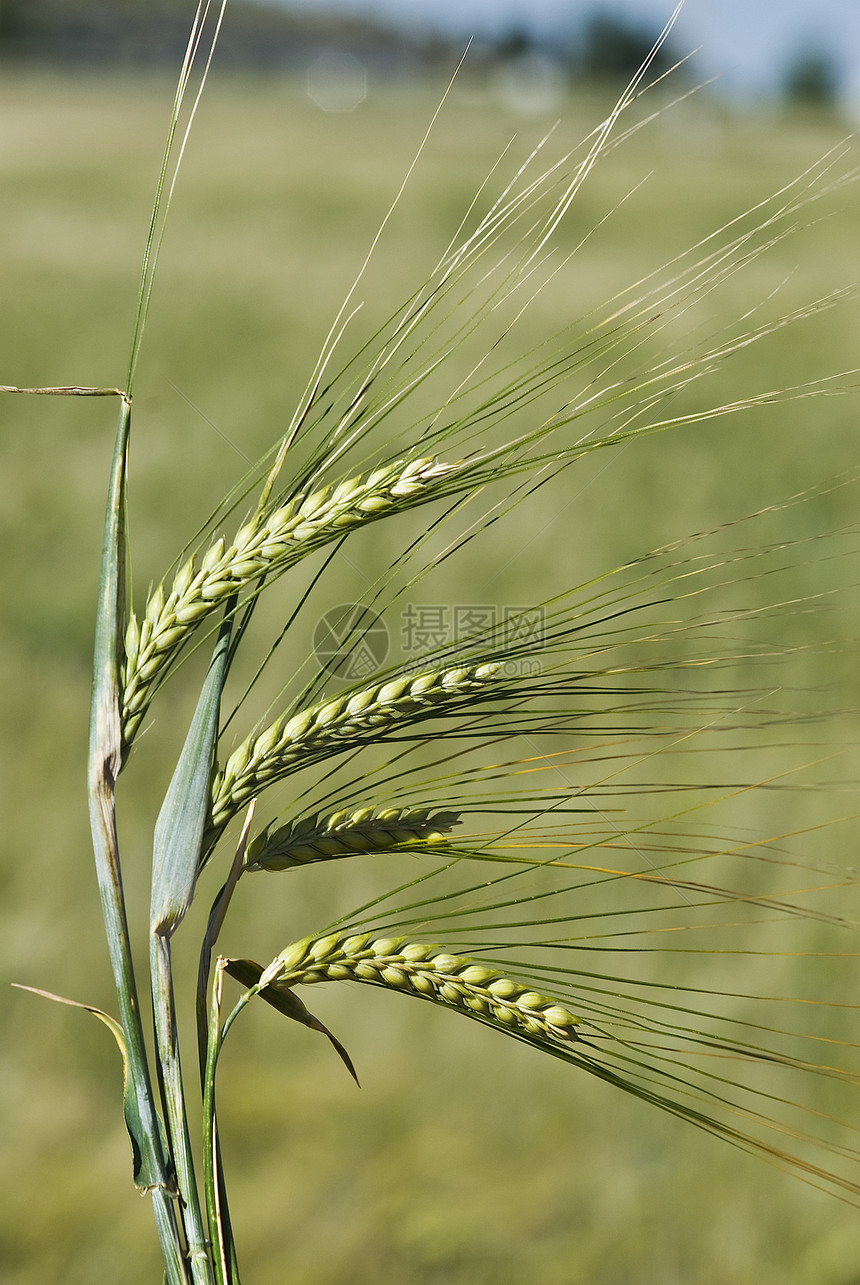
x=154 y=33
x=604 y=47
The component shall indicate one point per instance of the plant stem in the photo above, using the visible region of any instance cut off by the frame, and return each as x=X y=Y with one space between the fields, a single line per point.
x=220 y=1233
x=151 y=1164
x=173 y=1097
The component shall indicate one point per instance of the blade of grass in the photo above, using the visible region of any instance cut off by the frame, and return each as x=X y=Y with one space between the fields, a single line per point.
x=104 y=761
x=176 y=853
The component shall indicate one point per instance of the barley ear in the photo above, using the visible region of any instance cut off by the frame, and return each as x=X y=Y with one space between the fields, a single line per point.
x=333 y=726
x=428 y=972
x=342 y=834
x=265 y=546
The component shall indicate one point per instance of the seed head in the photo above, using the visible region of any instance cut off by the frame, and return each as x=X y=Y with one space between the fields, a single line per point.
x=415 y=968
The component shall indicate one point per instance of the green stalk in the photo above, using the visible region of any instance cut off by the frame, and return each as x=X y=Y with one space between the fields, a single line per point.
x=220 y=1234
x=151 y=1162
x=218 y=1214
x=173 y=1096
x=175 y=862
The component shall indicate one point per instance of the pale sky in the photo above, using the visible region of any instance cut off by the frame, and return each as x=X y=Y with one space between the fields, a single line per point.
x=748 y=43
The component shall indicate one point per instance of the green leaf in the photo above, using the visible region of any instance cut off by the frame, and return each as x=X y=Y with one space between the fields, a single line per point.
x=286 y=1001
x=184 y=812
x=144 y=1178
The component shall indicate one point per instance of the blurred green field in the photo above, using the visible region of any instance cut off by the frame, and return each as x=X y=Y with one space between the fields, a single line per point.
x=460 y=1162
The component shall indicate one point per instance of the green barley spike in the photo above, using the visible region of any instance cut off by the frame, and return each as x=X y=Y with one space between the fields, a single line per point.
x=345 y=833
x=428 y=972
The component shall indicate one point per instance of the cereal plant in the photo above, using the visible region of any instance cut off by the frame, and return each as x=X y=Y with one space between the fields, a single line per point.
x=581 y=816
